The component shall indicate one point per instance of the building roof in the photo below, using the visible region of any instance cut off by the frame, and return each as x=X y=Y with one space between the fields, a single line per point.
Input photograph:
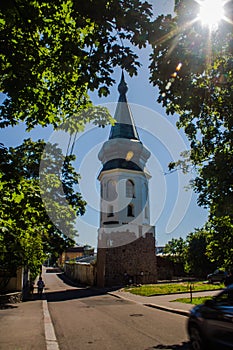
x=125 y=125
x=74 y=250
x=123 y=150
x=78 y=249
x=87 y=259
x=120 y=163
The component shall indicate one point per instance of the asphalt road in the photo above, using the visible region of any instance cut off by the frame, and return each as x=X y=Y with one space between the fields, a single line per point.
x=85 y=319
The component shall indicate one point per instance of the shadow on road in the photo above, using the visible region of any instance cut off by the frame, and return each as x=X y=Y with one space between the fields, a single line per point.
x=7 y=306
x=78 y=293
x=53 y=270
x=183 y=346
x=71 y=294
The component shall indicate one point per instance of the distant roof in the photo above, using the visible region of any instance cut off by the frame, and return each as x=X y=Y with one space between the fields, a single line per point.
x=87 y=259
x=78 y=249
x=75 y=249
x=125 y=125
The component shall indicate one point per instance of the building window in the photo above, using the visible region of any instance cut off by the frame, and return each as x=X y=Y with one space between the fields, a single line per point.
x=130 y=189
x=130 y=210
x=110 y=211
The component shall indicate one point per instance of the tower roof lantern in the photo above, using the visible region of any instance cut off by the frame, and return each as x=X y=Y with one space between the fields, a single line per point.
x=124 y=126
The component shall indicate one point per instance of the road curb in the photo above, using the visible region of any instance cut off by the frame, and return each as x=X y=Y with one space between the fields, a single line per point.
x=164 y=308
x=50 y=337
x=155 y=306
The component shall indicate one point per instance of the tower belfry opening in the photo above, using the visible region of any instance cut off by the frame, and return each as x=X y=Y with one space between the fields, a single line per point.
x=126 y=240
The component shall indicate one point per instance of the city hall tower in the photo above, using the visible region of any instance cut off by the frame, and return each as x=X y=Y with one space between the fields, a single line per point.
x=126 y=240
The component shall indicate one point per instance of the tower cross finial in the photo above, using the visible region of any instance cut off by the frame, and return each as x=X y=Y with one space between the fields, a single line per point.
x=122 y=87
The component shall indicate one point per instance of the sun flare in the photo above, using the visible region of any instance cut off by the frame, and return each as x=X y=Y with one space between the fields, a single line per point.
x=211 y=12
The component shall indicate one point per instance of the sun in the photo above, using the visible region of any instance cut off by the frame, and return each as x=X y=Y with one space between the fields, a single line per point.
x=211 y=12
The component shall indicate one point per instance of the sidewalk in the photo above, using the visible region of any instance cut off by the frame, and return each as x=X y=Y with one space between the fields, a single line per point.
x=27 y=325
x=164 y=302
x=22 y=326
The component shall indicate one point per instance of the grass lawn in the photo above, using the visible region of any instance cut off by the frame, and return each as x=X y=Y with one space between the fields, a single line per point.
x=195 y=300
x=169 y=288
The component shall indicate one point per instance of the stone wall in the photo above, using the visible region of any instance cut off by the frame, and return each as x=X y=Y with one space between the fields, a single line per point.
x=83 y=273
x=168 y=269
x=134 y=262
x=10 y=298
x=14 y=283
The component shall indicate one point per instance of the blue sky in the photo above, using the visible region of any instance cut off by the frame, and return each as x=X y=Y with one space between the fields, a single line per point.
x=174 y=211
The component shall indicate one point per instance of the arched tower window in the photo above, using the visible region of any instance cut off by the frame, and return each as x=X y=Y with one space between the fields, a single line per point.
x=110 y=211
x=101 y=190
x=146 y=213
x=130 y=210
x=130 y=191
x=146 y=190
x=111 y=190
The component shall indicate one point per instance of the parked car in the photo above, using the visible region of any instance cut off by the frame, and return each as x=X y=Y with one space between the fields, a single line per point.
x=210 y=325
x=217 y=276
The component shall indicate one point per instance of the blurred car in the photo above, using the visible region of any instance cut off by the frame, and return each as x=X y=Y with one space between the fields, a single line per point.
x=217 y=276
x=210 y=325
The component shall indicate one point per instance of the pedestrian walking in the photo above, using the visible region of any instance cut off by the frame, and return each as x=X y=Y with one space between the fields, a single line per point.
x=40 y=286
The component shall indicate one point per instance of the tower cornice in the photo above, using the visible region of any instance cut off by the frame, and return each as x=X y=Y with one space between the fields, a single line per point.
x=118 y=171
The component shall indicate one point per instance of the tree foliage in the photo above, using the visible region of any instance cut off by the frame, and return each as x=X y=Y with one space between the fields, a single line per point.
x=193 y=253
x=175 y=250
x=195 y=81
x=197 y=261
x=54 y=52
x=220 y=237
x=193 y=69
x=26 y=232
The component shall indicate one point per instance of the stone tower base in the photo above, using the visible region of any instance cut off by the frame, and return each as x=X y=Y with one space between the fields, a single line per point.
x=131 y=263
